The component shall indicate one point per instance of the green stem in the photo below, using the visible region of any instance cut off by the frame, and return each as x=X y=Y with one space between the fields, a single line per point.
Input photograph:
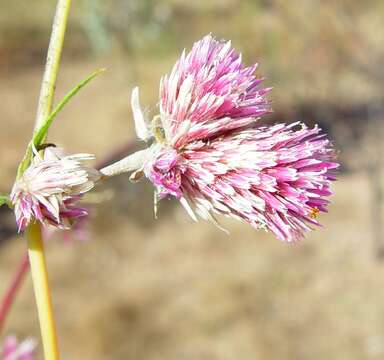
x=42 y=291
x=48 y=85
x=35 y=245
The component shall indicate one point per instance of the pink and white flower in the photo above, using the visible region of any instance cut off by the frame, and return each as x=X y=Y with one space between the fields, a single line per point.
x=209 y=153
x=12 y=349
x=50 y=188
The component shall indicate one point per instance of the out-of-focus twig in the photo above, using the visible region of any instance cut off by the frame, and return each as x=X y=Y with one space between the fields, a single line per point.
x=13 y=288
x=117 y=154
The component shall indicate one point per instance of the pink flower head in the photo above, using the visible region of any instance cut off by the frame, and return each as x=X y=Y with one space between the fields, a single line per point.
x=210 y=155
x=50 y=188
x=13 y=350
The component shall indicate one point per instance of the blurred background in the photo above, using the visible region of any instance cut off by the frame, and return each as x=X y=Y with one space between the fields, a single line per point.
x=139 y=288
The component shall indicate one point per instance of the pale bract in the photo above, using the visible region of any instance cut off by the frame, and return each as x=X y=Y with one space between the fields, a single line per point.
x=209 y=152
x=50 y=188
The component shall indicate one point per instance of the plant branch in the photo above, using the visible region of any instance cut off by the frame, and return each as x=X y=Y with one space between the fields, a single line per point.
x=33 y=232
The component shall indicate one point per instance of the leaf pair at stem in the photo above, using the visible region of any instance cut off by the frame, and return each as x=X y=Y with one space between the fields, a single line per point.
x=40 y=134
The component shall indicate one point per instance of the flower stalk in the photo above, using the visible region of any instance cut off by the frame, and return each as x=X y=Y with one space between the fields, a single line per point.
x=33 y=232
x=42 y=292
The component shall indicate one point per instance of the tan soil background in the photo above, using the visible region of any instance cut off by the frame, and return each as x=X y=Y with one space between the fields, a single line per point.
x=146 y=289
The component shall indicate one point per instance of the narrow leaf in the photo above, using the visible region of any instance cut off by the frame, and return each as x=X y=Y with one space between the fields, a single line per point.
x=41 y=133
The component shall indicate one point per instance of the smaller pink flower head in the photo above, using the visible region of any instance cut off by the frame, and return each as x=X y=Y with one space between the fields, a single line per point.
x=12 y=349
x=50 y=188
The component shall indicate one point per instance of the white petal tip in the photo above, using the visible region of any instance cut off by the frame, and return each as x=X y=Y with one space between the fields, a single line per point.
x=187 y=207
x=141 y=128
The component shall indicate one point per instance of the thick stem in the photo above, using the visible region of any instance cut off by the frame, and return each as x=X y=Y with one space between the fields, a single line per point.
x=11 y=292
x=42 y=291
x=35 y=243
x=130 y=163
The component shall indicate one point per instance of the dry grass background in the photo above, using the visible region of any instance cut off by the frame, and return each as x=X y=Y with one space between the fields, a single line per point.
x=146 y=289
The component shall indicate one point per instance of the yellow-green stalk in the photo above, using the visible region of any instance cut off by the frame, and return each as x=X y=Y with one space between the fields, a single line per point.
x=33 y=233
x=42 y=292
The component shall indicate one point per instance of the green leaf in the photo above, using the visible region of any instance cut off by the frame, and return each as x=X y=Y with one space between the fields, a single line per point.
x=41 y=133
x=5 y=200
